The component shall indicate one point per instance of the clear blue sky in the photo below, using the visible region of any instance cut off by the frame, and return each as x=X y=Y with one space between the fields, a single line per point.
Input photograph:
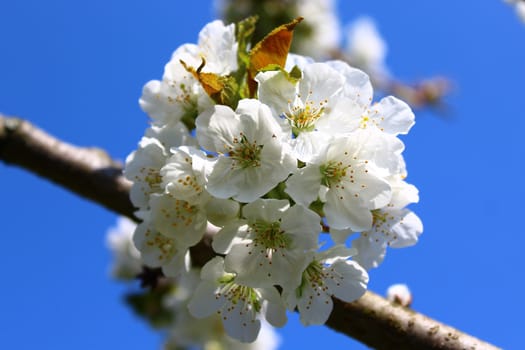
x=76 y=69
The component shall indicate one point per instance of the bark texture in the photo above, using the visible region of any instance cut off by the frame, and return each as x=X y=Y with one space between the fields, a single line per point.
x=91 y=173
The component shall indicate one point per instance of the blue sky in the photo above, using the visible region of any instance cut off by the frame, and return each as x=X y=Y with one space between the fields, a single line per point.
x=76 y=69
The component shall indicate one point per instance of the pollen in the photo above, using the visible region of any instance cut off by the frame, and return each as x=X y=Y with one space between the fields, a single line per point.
x=303 y=116
x=246 y=154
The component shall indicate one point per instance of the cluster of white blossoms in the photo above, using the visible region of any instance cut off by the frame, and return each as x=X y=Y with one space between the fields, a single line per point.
x=182 y=330
x=269 y=159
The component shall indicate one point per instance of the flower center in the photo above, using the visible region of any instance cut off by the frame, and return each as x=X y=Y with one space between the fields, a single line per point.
x=166 y=246
x=237 y=293
x=246 y=153
x=381 y=226
x=182 y=214
x=270 y=235
x=333 y=172
x=152 y=177
x=303 y=117
x=312 y=275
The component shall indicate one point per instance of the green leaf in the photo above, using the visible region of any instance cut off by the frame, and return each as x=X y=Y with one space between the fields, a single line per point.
x=243 y=34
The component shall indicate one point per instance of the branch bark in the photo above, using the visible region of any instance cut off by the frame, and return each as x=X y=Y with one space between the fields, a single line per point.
x=91 y=173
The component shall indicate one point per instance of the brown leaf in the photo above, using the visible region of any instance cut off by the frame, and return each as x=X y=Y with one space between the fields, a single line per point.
x=210 y=82
x=272 y=50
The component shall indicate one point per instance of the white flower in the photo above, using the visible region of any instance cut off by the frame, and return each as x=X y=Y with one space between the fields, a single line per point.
x=239 y=306
x=328 y=274
x=170 y=101
x=127 y=262
x=206 y=333
x=403 y=193
x=180 y=220
x=184 y=174
x=390 y=115
x=143 y=169
x=171 y=135
x=396 y=228
x=252 y=156
x=393 y=226
x=366 y=48
x=330 y=100
x=351 y=185
x=399 y=294
x=312 y=105
x=270 y=244
x=216 y=46
x=179 y=95
x=158 y=250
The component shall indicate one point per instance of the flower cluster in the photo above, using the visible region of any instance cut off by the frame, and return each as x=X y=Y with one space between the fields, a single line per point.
x=268 y=152
x=166 y=306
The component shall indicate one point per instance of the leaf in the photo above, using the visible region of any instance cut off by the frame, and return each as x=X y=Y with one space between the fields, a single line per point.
x=243 y=34
x=221 y=89
x=271 y=50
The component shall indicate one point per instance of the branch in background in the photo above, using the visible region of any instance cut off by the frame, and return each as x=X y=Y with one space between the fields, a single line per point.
x=425 y=93
x=91 y=173
x=88 y=172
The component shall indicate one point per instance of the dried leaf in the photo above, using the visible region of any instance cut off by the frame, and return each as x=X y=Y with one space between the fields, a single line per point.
x=272 y=50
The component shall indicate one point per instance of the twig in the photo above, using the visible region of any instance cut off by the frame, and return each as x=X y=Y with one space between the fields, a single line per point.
x=91 y=173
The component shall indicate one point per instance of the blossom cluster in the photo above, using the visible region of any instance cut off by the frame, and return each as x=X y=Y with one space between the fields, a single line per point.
x=269 y=153
x=170 y=313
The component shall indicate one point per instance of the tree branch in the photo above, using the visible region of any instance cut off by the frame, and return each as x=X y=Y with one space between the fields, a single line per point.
x=88 y=172
x=91 y=173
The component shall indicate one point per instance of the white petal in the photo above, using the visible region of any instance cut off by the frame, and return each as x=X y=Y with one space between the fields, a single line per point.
x=304 y=185
x=179 y=263
x=340 y=236
x=275 y=312
x=213 y=269
x=320 y=82
x=275 y=90
x=308 y=144
x=226 y=237
x=203 y=302
x=221 y=211
x=396 y=117
x=268 y=210
x=357 y=84
x=303 y=224
x=216 y=128
x=402 y=193
x=223 y=181
x=346 y=211
x=178 y=219
x=371 y=253
x=315 y=306
x=160 y=102
x=240 y=323
x=337 y=252
x=300 y=61
x=407 y=230
x=250 y=264
x=349 y=281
